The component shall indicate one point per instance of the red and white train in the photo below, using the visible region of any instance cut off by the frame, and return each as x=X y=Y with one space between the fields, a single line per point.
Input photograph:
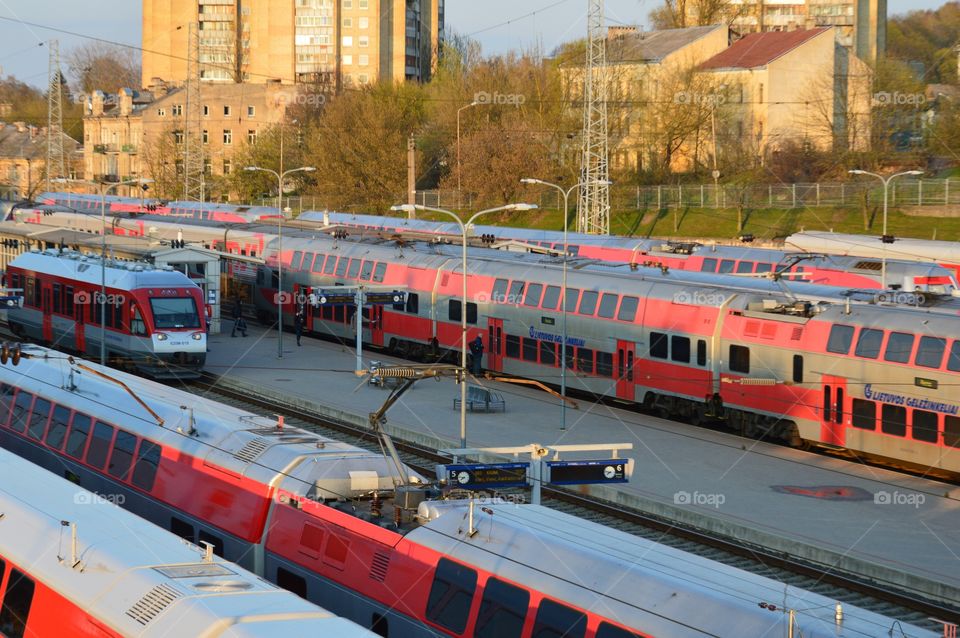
x=154 y=323
x=73 y=564
x=321 y=518
x=206 y=211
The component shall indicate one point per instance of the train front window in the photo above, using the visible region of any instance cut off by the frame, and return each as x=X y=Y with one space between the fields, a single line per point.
x=175 y=312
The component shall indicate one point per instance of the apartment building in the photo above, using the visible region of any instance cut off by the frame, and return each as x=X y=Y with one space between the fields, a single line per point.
x=333 y=42
x=23 y=160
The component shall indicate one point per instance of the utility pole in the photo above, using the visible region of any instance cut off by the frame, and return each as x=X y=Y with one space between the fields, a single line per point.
x=593 y=207
x=192 y=143
x=56 y=162
x=411 y=170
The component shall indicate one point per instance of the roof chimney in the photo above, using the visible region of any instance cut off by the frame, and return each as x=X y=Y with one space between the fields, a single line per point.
x=125 y=101
x=96 y=102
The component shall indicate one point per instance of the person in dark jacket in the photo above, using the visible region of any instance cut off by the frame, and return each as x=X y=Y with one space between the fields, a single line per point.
x=238 y=322
x=476 y=360
x=298 y=321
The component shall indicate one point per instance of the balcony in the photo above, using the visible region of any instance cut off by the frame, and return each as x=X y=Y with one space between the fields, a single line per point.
x=100 y=148
x=129 y=148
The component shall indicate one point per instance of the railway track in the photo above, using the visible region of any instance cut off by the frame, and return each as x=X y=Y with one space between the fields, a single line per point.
x=845 y=588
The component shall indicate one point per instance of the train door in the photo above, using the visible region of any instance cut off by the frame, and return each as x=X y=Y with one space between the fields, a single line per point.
x=626 y=350
x=301 y=297
x=833 y=410
x=495 y=344
x=47 y=308
x=376 y=324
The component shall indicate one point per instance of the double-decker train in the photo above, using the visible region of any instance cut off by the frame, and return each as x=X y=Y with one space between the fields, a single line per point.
x=74 y=564
x=767 y=357
x=344 y=526
x=153 y=320
x=824 y=266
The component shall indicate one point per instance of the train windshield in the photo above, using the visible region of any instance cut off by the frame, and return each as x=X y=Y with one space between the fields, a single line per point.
x=175 y=312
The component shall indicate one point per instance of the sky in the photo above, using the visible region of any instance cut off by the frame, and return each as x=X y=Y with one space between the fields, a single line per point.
x=499 y=25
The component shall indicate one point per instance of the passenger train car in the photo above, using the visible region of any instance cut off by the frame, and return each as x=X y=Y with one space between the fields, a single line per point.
x=325 y=520
x=73 y=564
x=945 y=253
x=822 y=268
x=206 y=211
x=154 y=323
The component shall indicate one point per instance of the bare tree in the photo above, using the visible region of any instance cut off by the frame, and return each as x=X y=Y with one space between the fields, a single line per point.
x=678 y=14
x=107 y=67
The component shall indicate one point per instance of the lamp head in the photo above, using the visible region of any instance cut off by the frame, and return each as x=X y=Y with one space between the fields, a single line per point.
x=914 y=172
x=529 y=180
x=521 y=207
x=856 y=171
x=252 y=168
x=308 y=169
x=403 y=208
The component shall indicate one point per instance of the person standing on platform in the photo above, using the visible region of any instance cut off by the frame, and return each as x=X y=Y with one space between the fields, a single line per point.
x=238 y=322
x=476 y=350
x=298 y=320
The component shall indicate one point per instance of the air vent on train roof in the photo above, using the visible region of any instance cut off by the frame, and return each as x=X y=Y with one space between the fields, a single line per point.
x=152 y=603
x=251 y=450
x=868 y=265
x=379 y=566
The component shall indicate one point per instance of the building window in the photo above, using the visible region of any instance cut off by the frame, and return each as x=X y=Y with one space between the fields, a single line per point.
x=226 y=110
x=206 y=136
x=363 y=40
x=363 y=60
x=348 y=59
x=363 y=23
x=177 y=109
x=347 y=4
x=227 y=167
x=251 y=136
x=347 y=23
x=363 y=78
x=207 y=167
x=161 y=112
x=251 y=111
x=348 y=40
x=227 y=136
x=364 y=4
x=206 y=111
x=178 y=137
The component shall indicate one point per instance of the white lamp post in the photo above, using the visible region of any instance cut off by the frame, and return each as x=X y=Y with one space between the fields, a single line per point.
x=280 y=177
x=463 y=303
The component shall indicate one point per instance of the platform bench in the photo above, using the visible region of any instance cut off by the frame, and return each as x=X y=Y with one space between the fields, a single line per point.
x=482 y=400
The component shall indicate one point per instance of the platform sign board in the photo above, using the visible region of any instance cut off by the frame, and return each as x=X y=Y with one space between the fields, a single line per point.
x=484 y=476
x=334 y=297
x=386 y=297
x=586 y=472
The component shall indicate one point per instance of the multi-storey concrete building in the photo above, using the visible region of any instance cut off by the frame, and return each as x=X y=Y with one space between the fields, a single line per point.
x=348 y=42
x=23 y=160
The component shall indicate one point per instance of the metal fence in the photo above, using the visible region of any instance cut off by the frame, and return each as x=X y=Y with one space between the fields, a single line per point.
x=902 y=193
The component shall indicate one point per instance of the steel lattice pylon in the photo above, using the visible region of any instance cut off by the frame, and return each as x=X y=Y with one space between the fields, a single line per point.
x=593 y=207
x=192 y=126
x=56 y=162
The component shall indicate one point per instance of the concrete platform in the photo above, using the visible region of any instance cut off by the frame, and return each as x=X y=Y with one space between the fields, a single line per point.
x=892 y=528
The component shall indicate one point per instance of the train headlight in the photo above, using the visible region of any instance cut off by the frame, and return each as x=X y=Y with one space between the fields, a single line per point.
x=162 y=337
x=197 y=336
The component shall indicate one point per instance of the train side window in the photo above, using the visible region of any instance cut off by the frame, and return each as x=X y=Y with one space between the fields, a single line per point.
x=57 y=292
x=471 y=313
x=296 y=260
x=317 y=265
x=291 y=582
x=953 y=361
x=145 y=468
x=659 y=346
x=868 y=343
x=558 y=621
x=118 y=316
x=451 y=595
x=841 y=337
x=213 y=539
x=100 y=445
x=925 y=426
x=628 y=309
x=573 y=296
x=762 y=267
x=21 y=409
x=606 y=630
x=16 y=604
x=798 y=368
x=529 y=349
x=413 y=303
x=68 y=301
x=6 y=403
x=568 y=353
x=454 y=310
x=930 y=352
x=342 y=264
x=864 y=414
x=515 y=296
x=585 y=360
x=588 y=302
x=893 y=420
x=745 y=266
x=951 y=431
x=307 y=262
x=604 y=364
x=182 y=529
x=331 y=265
x=380 y=271
x=709 y=265
x=534 y=293
x=122 y=455
x=503 y=610
x=354 y=271
x=701 y=352
x=137 y=325
x=551 y=298
x=548 y=353
x=366 y=271
x=680 y=349
x=899 y=346
x=608 y=305
x=513 y=346
x=38 y=419
x=58 y=427
x=740 y=359
x=79 y=432
x=499 y=294
x=726 y=266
